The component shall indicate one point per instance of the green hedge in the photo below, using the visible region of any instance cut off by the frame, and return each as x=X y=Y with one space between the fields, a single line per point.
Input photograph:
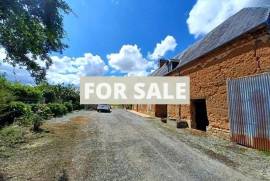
x=42 y=110
x=58 y=109
x=77 y=106
x=20 y=108
x=30 y=119
x=26 y=93
x=69 y=106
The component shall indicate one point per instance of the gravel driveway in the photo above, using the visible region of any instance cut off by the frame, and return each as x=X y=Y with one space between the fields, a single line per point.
x=124 y=146
x=121 y=145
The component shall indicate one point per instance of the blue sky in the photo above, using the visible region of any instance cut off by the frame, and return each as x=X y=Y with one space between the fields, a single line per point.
x=127 y=37
x=103 y=26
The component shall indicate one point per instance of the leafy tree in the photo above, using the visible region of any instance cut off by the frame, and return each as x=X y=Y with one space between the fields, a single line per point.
x=60 y=93
x=31 y=29
x=48 y=92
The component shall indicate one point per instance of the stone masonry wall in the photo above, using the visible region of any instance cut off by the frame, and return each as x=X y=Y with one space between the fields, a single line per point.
x=246 y=56
x=173 y=111
x=145 y=109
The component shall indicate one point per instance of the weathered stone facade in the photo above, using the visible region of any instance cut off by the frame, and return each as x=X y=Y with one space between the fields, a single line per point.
x=173 y=111
x=245 y=56
x=151 y=109
x=236 y=48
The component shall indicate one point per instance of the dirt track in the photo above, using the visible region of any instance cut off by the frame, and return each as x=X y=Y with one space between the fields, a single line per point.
x=114 y=146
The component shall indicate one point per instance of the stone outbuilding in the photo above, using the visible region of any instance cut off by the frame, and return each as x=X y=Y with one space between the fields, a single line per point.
x=165 y=66
x=238 y=47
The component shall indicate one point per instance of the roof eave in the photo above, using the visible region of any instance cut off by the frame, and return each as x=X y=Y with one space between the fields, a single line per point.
x=264 y=24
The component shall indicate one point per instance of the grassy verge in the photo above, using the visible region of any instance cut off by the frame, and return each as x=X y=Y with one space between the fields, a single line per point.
x=40 y=156
x=10 y=137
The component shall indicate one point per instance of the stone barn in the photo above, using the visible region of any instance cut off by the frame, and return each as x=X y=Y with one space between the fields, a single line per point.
x=238 y=47
x=165 y=66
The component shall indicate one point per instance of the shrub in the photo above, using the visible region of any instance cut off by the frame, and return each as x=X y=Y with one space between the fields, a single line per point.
x=25 y=120
x=20 y=108
x=49 y=96
x=42 y=110
x=26 y=93
x=77 y=106
x=36 y=122
x=31 y=119
x=69 y=106
x=6 y=95
x=58 y=109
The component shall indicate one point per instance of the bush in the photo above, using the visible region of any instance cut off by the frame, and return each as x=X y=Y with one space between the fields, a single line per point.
x=69 y=106
x=5 y=94
x=25 y=93
x=20 y=108
x=25 y=120
x=59 y=93
x=58 y=109
x=77 y=106
x=42 y=110
x=36 y=122
x=49 y=96
x=31 y=119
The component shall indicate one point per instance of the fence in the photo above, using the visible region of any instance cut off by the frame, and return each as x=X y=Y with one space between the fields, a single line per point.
x=249 y=111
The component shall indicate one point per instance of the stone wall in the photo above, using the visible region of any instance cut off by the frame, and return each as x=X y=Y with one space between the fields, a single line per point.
x=145 y=109
x=246 y=56
x=173 y=112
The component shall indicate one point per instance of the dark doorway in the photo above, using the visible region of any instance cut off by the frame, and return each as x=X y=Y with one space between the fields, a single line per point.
x=161 y=111
x=199 y=114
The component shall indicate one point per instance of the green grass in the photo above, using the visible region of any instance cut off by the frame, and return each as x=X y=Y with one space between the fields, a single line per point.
x=11 y=135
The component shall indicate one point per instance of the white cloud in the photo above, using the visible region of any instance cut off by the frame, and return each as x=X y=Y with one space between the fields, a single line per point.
x=168 y=44
x=130 y=60
x=69 y=70
x=63 y=70
x=3 y=54
x=206 y=15
x=90 y=65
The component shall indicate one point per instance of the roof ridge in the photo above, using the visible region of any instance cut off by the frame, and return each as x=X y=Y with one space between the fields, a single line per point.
x=225 y=32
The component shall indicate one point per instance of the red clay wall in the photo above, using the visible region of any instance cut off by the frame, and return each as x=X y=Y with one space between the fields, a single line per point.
x=173 y=111
x=246 y=56
x=151 y=109
x=145 y=109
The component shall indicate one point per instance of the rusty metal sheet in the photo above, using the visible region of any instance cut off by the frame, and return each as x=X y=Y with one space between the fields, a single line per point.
x=249 y=111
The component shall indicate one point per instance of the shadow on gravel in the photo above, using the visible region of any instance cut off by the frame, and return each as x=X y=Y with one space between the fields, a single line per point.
x=221 y=158
x=2 y=177
x=64 y=176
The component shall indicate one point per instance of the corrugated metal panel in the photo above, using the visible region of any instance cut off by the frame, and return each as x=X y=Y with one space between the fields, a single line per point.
x=249 y=111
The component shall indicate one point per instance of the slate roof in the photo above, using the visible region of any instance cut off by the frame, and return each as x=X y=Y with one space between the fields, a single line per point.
x=161 y=71
x=242 y=22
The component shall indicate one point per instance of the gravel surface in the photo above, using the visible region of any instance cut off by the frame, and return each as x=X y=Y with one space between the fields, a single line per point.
x=121 y=145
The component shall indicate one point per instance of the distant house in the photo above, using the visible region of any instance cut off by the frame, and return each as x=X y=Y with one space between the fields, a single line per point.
x=165 y=66
x=238 y=47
